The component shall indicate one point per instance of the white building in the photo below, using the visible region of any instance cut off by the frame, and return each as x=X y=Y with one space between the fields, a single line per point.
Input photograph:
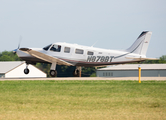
x=15 y=69
x=131 y=70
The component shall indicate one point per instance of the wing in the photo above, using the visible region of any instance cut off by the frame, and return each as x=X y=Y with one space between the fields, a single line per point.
x=142 y=58
x=45 y=57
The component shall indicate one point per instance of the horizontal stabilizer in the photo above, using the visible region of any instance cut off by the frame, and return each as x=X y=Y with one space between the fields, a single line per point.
x=142 y=58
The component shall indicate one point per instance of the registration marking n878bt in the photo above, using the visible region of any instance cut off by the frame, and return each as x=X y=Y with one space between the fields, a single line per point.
x=100 y=58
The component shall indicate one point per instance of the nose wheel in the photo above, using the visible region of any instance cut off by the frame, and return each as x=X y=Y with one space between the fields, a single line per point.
x=26 y=70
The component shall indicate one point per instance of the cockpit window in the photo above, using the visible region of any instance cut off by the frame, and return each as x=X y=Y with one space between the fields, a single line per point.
x=47 y=47
x=56 y=48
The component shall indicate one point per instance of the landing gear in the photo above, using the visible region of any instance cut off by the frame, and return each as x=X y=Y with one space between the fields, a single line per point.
x=53 y=73
x=77 y=72
x=26 y=70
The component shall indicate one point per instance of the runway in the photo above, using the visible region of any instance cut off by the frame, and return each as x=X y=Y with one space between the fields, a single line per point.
x=88 y=78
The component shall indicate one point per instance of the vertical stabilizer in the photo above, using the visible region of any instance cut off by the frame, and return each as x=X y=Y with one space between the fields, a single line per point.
x=140 y=46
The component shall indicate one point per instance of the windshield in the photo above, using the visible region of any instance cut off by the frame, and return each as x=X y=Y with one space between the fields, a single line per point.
x=47 y=47
x=55 y=48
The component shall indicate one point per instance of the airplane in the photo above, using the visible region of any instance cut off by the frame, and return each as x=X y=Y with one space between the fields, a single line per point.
x=62 y=53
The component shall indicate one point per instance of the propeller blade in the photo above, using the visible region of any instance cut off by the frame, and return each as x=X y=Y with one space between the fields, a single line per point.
x=19 y=42
x=15 y=50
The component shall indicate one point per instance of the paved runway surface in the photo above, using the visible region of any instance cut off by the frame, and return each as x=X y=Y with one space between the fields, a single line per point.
x=88 y=78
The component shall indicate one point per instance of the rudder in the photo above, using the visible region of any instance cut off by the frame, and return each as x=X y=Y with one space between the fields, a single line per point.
x=140 y=46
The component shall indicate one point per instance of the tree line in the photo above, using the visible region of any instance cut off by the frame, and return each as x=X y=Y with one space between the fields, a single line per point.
x=66 y=71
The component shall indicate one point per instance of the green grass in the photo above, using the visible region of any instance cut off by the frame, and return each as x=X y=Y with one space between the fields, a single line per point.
x=50 y=100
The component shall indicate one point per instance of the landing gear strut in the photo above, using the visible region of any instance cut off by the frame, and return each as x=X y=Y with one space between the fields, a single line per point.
x=26 y=70
x=53 y=72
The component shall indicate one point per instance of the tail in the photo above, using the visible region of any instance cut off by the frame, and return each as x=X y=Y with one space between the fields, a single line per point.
x=140 y=46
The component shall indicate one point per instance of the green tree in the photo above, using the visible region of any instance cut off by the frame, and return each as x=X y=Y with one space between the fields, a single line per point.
x=88 y=71
x=162 y=59
x=65 y=71
x=9 y=56
x=45 y=67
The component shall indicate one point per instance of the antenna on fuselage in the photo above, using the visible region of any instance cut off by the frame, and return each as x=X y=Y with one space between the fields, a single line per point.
x=94 y=43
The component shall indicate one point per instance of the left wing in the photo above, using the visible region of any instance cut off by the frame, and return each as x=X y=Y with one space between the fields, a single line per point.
x=45 y=57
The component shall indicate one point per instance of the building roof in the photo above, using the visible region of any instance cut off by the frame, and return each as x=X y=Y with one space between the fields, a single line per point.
x=135 y=67
x=9 y=65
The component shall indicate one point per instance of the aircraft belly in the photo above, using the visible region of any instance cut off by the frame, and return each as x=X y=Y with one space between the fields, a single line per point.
x=91 y=64
x=33 y=59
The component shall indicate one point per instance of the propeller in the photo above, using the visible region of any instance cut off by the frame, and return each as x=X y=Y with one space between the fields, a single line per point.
x=19 y=42
x=15 y=50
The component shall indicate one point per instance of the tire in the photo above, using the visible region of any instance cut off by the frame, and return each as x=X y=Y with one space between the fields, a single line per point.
x=76 y=73
x=26 y=70
x=53 y=73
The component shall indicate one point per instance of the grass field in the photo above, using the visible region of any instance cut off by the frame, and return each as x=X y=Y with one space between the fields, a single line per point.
x=82 y=100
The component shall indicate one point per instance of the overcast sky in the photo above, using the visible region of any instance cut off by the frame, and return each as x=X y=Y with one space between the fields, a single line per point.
x=115 y=24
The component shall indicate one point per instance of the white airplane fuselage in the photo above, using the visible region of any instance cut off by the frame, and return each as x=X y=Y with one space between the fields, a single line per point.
x=86 y=56
x=62 y=53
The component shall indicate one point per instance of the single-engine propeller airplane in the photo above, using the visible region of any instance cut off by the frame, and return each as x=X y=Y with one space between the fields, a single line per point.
x=77 y=55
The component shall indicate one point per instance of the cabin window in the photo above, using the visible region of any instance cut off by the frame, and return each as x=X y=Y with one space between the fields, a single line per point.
x=79 y=51
x=56 y=48
x=47 y=47
x=67 y=50
x=90 y=53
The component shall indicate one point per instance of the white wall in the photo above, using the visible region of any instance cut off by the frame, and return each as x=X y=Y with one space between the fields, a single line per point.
x=19 y=72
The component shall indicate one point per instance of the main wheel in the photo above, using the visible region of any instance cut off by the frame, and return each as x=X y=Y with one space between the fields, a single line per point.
x=26 y=70
x=53 y=73
x=76 y=73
